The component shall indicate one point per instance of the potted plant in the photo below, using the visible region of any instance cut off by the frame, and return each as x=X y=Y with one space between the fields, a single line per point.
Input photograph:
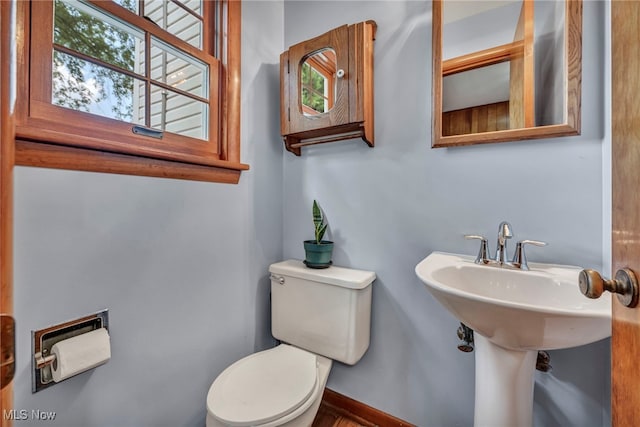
x=318 y=252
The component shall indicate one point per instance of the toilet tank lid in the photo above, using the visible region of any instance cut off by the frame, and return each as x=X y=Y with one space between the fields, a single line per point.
x=338 y=276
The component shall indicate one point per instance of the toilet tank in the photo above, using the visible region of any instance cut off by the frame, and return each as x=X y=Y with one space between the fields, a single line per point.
x=325 y=311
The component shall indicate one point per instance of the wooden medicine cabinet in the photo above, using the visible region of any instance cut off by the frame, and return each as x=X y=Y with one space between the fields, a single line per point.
x=326 y=88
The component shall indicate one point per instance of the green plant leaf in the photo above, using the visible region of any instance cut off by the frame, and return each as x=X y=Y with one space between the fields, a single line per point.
x=320 y=233
x=317 y=215
x=318 y=222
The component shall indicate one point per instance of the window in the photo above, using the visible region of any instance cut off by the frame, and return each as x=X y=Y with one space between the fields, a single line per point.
x=148 y=85
x=317 y=82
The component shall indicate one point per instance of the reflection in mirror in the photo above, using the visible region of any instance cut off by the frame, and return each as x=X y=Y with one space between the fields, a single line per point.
x=505 y=70
x=318 y=82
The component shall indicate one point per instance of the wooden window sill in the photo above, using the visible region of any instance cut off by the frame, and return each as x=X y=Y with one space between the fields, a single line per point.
x=37 y=154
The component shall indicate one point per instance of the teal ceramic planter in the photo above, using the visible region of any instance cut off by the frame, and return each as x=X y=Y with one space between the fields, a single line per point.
x=318 y=255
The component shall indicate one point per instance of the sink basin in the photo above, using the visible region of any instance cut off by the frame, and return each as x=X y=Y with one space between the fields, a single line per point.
x=539 y=309
x=513 y=313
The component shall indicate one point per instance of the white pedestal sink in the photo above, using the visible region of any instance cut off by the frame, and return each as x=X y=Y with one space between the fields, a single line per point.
x=514 y=313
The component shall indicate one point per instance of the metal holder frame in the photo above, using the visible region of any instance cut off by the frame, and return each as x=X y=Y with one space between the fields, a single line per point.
x=43 y=339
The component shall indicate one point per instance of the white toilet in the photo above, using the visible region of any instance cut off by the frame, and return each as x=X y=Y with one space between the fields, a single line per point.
x=320 y=316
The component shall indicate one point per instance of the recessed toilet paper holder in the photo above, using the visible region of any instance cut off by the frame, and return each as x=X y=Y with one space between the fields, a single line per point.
x=42 y=340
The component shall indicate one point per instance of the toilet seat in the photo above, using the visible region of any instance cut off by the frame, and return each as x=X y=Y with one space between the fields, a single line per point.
x=265 y=389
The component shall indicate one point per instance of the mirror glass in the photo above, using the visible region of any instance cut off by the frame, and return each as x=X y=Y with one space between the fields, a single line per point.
x=503 y=65
x=318 y=82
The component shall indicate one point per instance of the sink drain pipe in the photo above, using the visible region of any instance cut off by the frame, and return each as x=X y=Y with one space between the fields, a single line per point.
x=465 y=334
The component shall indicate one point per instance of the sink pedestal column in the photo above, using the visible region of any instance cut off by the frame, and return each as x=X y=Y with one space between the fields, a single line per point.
x=504 y=385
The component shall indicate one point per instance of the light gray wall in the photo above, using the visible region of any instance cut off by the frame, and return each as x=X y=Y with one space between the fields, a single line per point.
x=182 y=266
x=549 y=63
x=390 y=206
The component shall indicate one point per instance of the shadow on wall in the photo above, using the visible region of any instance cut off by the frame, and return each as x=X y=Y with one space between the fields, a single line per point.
x=265 y=156
x=404 y=101
x=419 y=368
x=569 y=396
x=263 y=337
x=262 y=121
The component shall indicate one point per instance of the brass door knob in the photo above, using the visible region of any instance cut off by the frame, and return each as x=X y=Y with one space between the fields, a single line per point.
x=625 y=285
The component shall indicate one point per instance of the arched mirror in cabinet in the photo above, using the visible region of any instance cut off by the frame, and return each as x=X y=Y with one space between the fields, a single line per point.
x=505 y=70
x=326 y=88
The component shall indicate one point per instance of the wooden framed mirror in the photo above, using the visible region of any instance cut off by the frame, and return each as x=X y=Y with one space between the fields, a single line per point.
x=505 y=70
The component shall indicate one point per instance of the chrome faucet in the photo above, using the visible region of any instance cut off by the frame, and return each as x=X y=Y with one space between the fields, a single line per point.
x=504 y=233
x=483 y=255
x=519 y=259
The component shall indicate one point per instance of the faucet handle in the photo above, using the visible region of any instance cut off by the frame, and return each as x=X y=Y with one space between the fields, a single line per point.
x=474 y=236
x=519 y=258
x=531 y=242
x=483 y=254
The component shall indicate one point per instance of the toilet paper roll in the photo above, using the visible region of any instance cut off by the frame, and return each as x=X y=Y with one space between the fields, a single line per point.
x=80 y=353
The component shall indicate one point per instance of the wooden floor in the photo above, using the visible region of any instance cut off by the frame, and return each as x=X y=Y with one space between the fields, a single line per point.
x=329 y=416
x=337 y=410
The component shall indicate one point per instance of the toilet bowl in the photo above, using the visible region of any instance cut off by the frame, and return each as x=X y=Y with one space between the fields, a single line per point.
x=281 y=386
x=319 y=316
